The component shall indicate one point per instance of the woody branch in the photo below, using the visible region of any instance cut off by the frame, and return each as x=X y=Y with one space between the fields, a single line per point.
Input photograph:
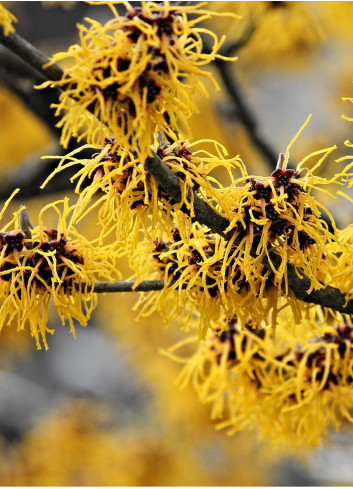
x=328 y=296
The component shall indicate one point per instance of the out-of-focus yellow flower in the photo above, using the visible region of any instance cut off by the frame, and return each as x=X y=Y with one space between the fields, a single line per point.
x=16 y=119
x=291 y=391
x=80 y=444
x=280 y=29
x=7 y=20
x=136 y=74
x=131 y=199
x=66 y=4
x=336 y=17
x=57 y=265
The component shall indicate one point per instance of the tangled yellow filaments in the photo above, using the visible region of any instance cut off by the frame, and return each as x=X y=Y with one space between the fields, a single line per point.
x=290 y=393
x=278 y=219
x=274 y=222
x=203 y=280
x=340 y=265
x=128 y=198
x=57 y=265
x=136 y=74
x=7 y=20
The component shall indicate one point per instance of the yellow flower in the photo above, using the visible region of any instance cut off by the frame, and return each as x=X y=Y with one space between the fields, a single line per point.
x=130 y=199
x=223 y=371
x=291 y=391
x=6 y=20
x=205 y=278
x=276 y=218
x=309 y=388
x=136 y=74
x=48 y=265
x=274 y=222
x=340 y=265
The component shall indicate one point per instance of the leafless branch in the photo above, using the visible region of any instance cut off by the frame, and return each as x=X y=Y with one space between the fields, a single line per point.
x=145 y=286
x=327 y=297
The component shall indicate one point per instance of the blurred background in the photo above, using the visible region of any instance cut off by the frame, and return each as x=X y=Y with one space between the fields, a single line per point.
x=103 y=409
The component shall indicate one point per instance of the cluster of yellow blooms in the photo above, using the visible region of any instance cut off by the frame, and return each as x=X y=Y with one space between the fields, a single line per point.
x=130 y=198
x=129 y=93
x=291 y=390
x=137 y=74
x=57 y=265
x=274 y=222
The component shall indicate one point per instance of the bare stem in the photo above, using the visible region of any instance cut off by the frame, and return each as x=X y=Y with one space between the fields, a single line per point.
x=145 y=286
x=329 y=297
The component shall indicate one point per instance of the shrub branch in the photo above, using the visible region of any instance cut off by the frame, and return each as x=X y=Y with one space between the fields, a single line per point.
x=328 y=296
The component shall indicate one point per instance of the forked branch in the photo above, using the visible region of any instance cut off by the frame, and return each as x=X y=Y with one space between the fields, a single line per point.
x=329 y=297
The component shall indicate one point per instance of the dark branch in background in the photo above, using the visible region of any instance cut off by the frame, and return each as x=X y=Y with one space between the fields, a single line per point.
x=19 y=78
x=243 y=110
x=232 y=47
x=35 y=58
x=31 y=175
x=204 y=213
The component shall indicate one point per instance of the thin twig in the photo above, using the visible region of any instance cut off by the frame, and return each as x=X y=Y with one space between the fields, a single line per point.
x=231 y=47
x=327 y=297
x=119 y=286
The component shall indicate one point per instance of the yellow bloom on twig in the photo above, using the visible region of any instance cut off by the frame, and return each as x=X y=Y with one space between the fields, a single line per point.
x=276 y=218
x=46 y=265
x=6 y=20
x=136 y=74
x=128 y=197
x=204 y=278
